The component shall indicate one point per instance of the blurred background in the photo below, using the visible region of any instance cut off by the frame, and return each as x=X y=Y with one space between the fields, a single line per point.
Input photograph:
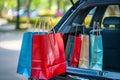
x=17 y=17
x=27 y=11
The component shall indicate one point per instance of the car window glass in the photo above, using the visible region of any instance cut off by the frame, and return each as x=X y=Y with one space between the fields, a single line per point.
x=89 y=17
x=112 y=11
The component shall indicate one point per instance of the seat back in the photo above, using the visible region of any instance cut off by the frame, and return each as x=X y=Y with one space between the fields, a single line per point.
x=111 y=45
x=111 y=21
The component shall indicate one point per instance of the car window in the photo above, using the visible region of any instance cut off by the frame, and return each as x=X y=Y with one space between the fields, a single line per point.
x=89 y=17
x=111 y=11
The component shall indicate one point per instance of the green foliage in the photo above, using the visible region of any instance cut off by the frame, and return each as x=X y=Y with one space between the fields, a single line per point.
x=7 y=4
x=35 y=4
x=22 y=20
x=49 y=22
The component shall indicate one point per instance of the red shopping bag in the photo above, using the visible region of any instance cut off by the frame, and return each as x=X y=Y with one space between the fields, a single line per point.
x=76 y=52
x=48 y=56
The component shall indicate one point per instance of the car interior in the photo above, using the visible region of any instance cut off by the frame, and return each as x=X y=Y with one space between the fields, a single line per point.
x=109 y=20
x=111 y=49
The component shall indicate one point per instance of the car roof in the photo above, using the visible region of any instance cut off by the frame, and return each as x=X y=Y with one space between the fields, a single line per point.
x=82 y=4
x=88 y=3
x=101 y=0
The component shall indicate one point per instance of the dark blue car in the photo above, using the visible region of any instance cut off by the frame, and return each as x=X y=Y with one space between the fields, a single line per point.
x=107 y=13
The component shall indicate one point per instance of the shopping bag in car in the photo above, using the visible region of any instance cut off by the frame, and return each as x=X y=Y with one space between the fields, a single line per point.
x=69 y=48
x=24 y=63
x=48 y=56
x=65 y=39
x=84 y=53
x=76 y=52
x=96 y=50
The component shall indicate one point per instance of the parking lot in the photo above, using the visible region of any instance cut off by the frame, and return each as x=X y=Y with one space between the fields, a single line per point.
x=10 y=42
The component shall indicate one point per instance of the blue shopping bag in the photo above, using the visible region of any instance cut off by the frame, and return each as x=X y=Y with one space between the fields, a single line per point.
x=69 y=48
x=25 y=57
x=24 y=62
x=96 y=51
x=96 y=48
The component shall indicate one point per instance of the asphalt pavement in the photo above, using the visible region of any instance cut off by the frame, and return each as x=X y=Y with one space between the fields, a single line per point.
x=10 y=44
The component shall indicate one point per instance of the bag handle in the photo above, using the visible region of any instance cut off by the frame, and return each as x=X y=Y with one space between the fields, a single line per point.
x=94 y=25
x=43 y=24
x=98 y=28
x=47 y=22
x=35 y=25
x=76 y=27
x=83 y=29
x=40 y=24
x=76 y=30
x=53 y=27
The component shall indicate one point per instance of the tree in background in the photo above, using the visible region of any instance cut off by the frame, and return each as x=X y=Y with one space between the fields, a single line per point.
x=50 y=4
x=35 y=4
x=58 y=5
x=64 y=4
x=18 y=8
x=1 y=6
x=7 y=4
x=28 y=10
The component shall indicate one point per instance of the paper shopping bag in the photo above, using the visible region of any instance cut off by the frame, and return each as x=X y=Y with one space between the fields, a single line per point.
x=96 y=52
x=84 y=53
x=96 y=49
x=24 y=63
x=76 y=52
x=48 y=56
x=69 y=48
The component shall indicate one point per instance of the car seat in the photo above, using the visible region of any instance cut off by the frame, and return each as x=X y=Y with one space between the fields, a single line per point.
x=111 y=44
